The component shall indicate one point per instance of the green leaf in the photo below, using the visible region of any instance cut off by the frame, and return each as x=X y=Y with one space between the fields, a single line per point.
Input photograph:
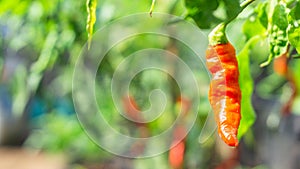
x=294 y=28
x=278 y=33
x=295 y=12
x=205 y=20
x=232 y=8
x=262 y=14
x=201 y=12
x=202 y=4
x=297 y=75
x=91 y=19
x=279 y=17
x=204 y=12
x=246 y=85
x=293 y=36
x=253 y=27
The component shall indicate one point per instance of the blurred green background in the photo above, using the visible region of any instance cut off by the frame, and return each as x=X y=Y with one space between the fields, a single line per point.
x=40 y=41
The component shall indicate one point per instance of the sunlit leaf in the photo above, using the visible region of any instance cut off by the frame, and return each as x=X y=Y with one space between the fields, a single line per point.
x=262 y=14
x=294 y=38
x=10 y=6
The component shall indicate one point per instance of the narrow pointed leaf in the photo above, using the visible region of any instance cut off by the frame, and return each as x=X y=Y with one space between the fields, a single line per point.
x=91 y=19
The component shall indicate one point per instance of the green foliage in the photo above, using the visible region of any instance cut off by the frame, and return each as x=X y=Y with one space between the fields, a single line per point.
x=294 y=28
x=283 y=27
x=246 y=85
x=208 y=14
x=42 y=32
x=261 y=11
x=278 y=21
x=48 y=36
x=276 y=24
x=277 y=33
x=253 y=27
x=63 y=134
x=43 y=62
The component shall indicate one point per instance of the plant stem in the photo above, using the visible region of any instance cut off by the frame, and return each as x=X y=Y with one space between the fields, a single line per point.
x=297 y=56
x=152 y=7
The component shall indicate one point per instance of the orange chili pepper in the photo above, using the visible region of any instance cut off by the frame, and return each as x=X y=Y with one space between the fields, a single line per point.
x=225 y=93
x=176 y=154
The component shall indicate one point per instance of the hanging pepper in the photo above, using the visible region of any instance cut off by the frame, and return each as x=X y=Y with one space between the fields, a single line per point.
x=224 y=93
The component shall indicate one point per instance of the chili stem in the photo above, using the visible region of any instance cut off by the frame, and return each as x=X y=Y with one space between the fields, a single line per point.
x=152 y=7
x=218 y=35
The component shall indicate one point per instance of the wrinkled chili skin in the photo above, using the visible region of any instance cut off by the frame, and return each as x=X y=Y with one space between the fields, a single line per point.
x=225 y=93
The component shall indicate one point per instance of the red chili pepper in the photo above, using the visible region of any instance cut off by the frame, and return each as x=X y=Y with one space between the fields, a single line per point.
x=224 y=93
x=176 y=154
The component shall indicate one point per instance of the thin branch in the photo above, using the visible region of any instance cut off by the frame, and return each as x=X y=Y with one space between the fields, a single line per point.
x=297 y=56
x=152 y=7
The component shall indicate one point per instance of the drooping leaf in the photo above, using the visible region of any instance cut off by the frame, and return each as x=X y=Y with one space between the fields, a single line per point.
x=205 y=20
x=246 y=85
x=91 y=18
x=204 y=12
x=232 y=8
